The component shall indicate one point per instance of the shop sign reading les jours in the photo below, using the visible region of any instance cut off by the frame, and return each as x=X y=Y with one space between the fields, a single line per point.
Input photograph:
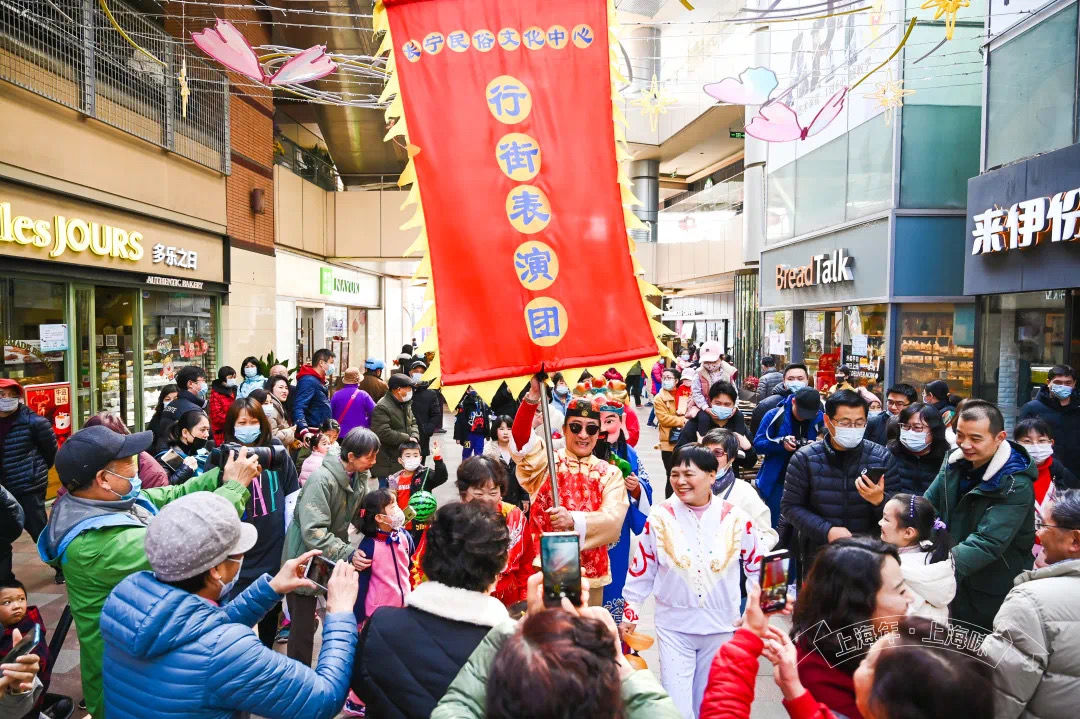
x=824 y=269
x=77 y=235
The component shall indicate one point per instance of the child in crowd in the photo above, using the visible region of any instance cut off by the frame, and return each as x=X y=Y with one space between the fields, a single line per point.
x=320 y=445
x=332 y=429
x=502 y=449
x=15 y=613
x=414 y=478
x=910 y=523
x=386 y=583
x=470 y=427
x=692 y=555
x=1038 y=439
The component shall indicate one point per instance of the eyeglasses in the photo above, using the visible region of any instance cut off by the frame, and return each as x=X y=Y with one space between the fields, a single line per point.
x=913 y=428
x=1040 y=524
x=897 y=402
x=590 y=429
x=848 y=424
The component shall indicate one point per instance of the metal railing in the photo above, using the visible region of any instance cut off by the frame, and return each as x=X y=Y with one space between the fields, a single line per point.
x=69 y=52
x=305 y=163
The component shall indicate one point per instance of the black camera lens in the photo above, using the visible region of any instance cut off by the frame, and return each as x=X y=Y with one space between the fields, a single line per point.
x=272 y=457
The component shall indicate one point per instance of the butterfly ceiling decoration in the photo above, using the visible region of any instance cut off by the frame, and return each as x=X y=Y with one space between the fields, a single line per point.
x=753 y=87
x=227 y=45
x=776 y=122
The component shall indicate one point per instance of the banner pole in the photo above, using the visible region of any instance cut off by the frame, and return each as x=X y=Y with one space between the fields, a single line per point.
x=545 y=412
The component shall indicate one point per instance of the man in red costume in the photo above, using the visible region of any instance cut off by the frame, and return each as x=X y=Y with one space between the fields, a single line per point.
x=592 y=494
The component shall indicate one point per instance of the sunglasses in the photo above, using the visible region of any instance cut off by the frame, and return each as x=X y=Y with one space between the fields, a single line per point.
x=590 y=429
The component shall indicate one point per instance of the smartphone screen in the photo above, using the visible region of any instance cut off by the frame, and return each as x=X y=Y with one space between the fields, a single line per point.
x=875 y=474
x=774 y=580
x=25 y=645
x=319 y=571
x=560 y=560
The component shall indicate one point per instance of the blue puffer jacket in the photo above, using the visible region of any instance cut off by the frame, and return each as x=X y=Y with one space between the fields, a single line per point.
x=769 y=441
x=311 y=401
x=169 y=653
x=28 y=452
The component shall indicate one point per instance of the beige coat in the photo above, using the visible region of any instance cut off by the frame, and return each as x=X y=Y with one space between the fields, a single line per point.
x=602 y=527
x=1035 y=647
x=667 y=417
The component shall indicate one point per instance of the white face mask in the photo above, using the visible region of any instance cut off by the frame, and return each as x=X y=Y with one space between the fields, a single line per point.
x=410 y=464
x=9 y=404
x=397 y=517
x=270 y=411
x=416 y=376
x=407 y=397
x=1040 y=452
x=227 y=587
x=849 y=437
x=915 y=441
x=668 y=384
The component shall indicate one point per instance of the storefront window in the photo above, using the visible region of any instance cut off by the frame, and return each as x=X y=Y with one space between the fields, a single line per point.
x=1031 y=90
x=866 y=345
x=821 y=347
x=28 y=310
x=114 y=339
x=937 y=341
x=179 y=329
x=1022 y=337
x=776 y=337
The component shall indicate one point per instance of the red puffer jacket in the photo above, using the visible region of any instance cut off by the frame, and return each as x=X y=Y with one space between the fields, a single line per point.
x=221 y=398
x=730 y=691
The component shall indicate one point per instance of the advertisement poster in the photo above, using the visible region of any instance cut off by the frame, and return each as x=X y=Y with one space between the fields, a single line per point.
x=53 y=402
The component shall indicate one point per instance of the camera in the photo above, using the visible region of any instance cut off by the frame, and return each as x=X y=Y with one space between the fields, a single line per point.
x=272 y=457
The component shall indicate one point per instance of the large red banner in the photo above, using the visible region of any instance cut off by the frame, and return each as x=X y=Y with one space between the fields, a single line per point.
x=509 y=106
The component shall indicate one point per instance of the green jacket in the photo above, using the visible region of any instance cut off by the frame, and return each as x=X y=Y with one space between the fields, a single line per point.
x=642 y=695
x=328 y=501
x=394 y=423
x=97 y=560
x=993 y=526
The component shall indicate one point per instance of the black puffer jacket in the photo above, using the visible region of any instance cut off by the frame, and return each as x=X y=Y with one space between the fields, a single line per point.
x=28 y=452
x=773 y=400
x=703 y=423
x=915 y=473
x=407 y=656
x=820 y=493
x=11 y=517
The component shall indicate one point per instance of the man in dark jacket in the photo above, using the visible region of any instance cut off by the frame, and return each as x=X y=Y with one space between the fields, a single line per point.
x=1057 y=406
x=769 y=380
x=796 y=422
x=427 y=406
x=827 y=493
x=11 y=526
x=191 y=395
x=796 y=376
x=27 y=451
x=897 y=399
x=985 y=495
x=373 y=382
x=312 y=405
x=393 y=422
x=723 y=413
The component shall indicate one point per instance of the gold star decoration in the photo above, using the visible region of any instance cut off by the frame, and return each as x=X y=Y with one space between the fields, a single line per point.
x=185 y=91
x=948 y=8
x=889 y=94
x=653 y=103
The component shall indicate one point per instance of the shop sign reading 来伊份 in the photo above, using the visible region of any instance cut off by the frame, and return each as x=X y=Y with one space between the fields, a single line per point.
x=826 y=268
x=79 y=235
x=1026 y=224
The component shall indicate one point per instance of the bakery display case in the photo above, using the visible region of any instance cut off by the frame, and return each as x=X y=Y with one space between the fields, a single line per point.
x=937 y=342
x=178 y=330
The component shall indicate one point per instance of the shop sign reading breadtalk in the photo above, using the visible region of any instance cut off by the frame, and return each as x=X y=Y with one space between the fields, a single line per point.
x=76 y=235
x=1028 y=223
x=824 y=269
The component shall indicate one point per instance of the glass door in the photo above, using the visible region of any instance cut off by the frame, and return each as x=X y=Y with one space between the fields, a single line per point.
x=85 y=380
x=114 y=368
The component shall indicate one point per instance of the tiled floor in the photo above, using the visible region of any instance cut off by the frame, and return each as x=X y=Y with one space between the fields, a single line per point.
x=52 y=598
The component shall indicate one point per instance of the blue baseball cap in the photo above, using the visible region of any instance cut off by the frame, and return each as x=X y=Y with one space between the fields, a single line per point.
x=373 y=363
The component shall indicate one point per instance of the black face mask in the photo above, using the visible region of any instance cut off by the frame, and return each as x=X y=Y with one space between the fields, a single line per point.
x=198 y=443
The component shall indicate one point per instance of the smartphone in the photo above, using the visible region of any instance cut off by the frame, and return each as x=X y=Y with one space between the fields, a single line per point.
x=560 y=561
x=774 y=580
x=875 y=474
x=24 y=647
x=319 y=571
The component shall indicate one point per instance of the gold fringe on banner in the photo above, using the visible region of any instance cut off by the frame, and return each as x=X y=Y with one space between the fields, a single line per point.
x=395 y=114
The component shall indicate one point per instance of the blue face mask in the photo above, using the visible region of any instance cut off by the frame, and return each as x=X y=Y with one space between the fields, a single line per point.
x=722 y=413
x=250 y=371
x=136 y=486
x=1061 y=391
x=247 y=434
x=795 y=385
x=202 y=390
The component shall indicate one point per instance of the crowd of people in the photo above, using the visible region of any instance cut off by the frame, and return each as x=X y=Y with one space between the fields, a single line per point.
x=933 y=557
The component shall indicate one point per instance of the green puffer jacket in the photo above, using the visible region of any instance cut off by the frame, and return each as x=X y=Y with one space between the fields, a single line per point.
x=642 y=695
x=98 y=553
x=993 y=526
x=327 y=503
x=394 y=423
